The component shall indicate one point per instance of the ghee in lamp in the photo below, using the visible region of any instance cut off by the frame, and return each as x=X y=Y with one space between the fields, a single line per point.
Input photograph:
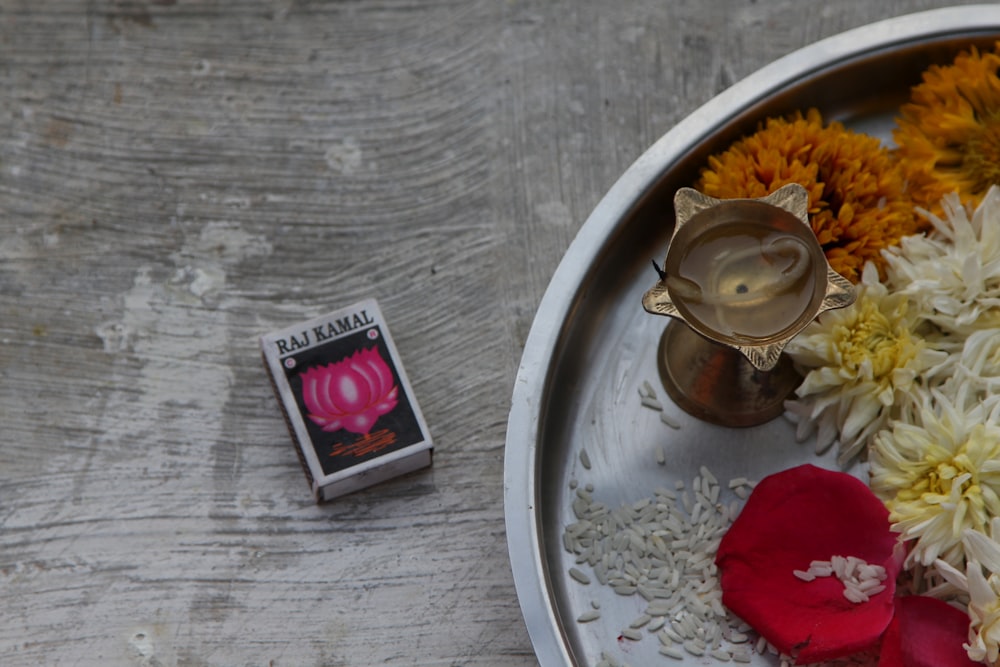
x=751 y=276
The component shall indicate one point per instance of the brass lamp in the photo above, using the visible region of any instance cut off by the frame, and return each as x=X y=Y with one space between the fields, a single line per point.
x=740 y=279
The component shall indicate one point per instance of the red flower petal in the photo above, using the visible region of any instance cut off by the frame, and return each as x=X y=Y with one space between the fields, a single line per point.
x=926 y=633
x=791 y=519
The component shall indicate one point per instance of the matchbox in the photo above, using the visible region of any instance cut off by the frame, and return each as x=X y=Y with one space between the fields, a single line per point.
x=346 y=399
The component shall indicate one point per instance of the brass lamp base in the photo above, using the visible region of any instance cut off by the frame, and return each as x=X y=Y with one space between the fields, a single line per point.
x=716 y=383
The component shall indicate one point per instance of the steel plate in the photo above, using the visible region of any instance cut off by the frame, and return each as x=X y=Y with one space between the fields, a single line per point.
x=591 y=345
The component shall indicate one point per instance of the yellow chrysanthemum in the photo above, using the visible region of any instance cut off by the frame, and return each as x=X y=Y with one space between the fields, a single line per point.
x=858 y=202
x=939 y=475
x=949 y=133
x=858 y=362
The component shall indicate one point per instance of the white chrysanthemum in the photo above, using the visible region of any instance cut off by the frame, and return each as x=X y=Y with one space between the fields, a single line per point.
x=953 y=273
x=971 y=375
x=858 y=362
x=939 y=475
x=984 y=591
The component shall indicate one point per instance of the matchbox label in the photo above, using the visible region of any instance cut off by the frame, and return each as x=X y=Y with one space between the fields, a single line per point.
x=349 y=391
x=315 y=334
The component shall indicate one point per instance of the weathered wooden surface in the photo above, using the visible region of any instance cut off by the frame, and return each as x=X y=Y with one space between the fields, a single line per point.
x=179 y=176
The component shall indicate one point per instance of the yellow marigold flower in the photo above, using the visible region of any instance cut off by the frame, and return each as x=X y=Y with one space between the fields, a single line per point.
x=858 y=362
x=939 y=475
x=858 y=204
x=949 y=133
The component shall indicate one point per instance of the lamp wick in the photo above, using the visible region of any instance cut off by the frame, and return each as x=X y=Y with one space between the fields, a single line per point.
x=660 y=272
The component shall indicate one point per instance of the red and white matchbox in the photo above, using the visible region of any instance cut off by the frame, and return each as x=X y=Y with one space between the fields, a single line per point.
x=346 y=399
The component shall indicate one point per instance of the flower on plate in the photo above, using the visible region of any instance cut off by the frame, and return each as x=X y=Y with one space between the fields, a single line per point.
x=939 y=475
x=858 y=362
x=983 y=551
x=971 y=375
x=948 y=135
x=953 y=273
x=791 y=520
x=858 y=203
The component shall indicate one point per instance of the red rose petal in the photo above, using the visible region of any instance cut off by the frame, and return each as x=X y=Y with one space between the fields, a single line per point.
x=926 y=633
x=891 y=651
x=791 y=519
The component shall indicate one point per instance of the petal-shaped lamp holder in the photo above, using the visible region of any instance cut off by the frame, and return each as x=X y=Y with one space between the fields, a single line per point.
x=741 y=278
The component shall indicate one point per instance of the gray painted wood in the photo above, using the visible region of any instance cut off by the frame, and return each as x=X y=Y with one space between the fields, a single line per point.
x=178 y=177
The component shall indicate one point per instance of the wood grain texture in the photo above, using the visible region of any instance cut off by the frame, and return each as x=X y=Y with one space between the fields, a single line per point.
x=178 y=177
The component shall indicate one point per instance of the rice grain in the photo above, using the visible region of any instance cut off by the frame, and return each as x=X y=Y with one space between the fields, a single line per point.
x=693 y=647
x=652 y=404
x=641 y=621
x=666 y=419
x=671 y=652
x=721 y=655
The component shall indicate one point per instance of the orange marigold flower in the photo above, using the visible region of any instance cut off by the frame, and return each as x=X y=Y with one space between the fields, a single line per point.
x=858 y=203
x=949 y=133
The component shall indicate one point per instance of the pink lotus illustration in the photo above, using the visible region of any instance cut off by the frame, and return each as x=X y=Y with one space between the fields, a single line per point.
x=351 y=393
